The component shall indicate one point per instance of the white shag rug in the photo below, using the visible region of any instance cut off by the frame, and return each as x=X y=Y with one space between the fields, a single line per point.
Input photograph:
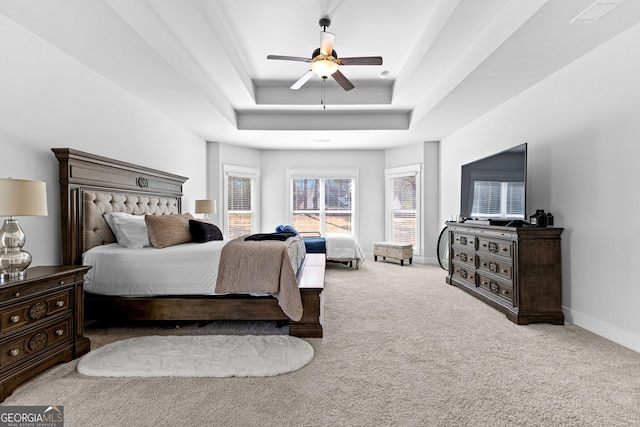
x=198 y=356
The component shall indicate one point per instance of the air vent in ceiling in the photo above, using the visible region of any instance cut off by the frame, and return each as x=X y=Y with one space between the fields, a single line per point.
x=596 y=11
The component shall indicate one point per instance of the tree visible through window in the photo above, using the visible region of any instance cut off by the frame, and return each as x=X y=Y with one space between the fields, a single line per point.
x=323 y=205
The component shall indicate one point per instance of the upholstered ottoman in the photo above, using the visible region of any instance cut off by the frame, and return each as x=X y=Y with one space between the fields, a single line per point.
x=394 y=250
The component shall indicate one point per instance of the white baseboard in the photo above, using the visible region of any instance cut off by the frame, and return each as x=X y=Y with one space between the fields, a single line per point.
x=604 y=329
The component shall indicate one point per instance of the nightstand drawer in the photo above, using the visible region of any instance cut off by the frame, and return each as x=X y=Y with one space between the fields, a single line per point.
x=22 y=314
x=35 y=341
x=11 y=293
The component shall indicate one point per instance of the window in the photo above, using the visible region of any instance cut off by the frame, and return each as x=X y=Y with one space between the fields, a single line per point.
x=323 y=202
x=241 y=201
x=402 y=194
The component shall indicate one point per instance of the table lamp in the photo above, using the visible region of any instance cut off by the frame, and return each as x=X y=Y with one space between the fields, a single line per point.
x=18 y=197
x=206 y=207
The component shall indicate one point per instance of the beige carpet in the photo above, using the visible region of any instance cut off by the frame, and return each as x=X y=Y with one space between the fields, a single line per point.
x=401 y=348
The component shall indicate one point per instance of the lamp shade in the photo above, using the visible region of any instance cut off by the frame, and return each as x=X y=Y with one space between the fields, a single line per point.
x=21 y=197
x=206 y=207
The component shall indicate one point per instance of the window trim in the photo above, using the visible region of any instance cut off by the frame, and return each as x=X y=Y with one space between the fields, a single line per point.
x=400 y=172
x=326 y=174
x=241 y=172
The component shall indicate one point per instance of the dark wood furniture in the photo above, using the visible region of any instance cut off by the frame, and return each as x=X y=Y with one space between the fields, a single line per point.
x=516 y=270
x=92 y=185
x=41 y=323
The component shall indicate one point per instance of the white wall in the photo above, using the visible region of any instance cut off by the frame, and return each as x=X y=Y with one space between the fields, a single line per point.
x=426 y=154
x=49 y=100
x=218 y=155
x=582 y=125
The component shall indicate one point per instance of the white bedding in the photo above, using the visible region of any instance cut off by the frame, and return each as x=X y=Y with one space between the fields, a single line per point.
x=186 y=269
x=342 y=247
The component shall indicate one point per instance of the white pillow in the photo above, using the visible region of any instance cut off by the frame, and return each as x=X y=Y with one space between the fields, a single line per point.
x=109 y=218
x=130 y=230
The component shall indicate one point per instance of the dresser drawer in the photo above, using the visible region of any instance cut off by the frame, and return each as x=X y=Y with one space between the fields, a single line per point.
x=464 y=272
x=500 y=266
x=495 y=246
x=467 y=258
x=35 y=341
x=27 y=312
x=501 y=288
x=464 y=240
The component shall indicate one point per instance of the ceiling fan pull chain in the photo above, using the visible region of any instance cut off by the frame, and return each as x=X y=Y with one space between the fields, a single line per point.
x=324 y=106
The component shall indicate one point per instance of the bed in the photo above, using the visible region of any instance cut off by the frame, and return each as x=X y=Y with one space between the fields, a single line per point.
x=338 y=247
x=91 y=186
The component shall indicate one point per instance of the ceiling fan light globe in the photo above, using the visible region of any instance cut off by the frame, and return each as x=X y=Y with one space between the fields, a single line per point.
x=324 y=67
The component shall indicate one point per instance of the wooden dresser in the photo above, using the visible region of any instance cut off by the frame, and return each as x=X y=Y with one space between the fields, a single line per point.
x=41 y=322
x=516 y=270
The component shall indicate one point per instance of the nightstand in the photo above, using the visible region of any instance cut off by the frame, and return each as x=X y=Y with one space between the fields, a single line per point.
x=41 y=322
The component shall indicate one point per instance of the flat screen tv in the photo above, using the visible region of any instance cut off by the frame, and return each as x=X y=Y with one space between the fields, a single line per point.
x=494 y=188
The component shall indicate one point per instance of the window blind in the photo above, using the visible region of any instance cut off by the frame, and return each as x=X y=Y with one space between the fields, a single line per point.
x=241 y=194
x=403 y=209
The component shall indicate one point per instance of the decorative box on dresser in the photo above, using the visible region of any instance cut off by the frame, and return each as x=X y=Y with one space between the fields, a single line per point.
x=516 y=270
x=41 y=322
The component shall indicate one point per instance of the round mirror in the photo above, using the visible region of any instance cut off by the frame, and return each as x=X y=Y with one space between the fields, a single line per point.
x=443 y=249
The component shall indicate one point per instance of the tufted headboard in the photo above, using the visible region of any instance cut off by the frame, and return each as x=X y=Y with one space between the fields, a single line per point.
x=91 y=186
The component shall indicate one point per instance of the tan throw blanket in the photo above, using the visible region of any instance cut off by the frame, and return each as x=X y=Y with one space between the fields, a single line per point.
x=260 y=267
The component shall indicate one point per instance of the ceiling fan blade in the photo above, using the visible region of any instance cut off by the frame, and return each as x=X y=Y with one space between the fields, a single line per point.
x=289 y=58
x=361 y=60
x=302 y=80
x=326 y=42
x=342 y=80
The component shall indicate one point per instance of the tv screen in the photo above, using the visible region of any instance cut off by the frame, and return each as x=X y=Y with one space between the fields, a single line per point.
x=495 y=187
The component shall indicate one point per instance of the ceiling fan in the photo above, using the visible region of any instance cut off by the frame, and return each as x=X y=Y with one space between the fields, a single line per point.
x=325 y=61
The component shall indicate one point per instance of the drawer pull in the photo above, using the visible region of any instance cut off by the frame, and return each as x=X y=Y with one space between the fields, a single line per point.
x=16 y=295
x=493 y=267
x=59 y=303
x=14 y=319
x=493 y=286
x=61 y=282
x=14 y=352
x=59 y=332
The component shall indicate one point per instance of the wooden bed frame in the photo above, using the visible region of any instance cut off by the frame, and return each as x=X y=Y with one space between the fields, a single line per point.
x=137 y=189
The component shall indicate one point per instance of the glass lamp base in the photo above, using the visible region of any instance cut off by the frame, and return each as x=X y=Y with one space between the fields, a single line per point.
x=13 y=265
x=13 y=260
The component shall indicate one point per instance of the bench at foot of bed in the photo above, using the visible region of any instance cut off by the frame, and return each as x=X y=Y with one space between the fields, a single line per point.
x=311 y=284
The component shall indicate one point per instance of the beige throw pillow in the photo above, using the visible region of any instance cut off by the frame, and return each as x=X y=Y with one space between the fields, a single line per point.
x=168 y=230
